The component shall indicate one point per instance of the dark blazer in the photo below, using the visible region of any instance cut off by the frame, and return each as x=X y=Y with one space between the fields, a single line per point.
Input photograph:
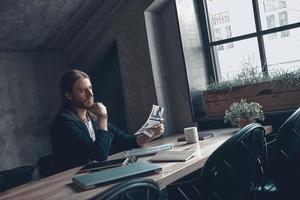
x=73 y=146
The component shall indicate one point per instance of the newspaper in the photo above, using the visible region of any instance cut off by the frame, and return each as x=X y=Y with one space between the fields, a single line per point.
x=153 y=119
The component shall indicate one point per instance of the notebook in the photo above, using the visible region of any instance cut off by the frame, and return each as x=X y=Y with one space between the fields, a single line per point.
x=96 y=166
x=172 y=156
x=148 y=150
x=91 y=180
x=201 y=136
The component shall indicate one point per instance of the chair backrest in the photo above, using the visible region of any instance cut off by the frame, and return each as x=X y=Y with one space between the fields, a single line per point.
x=15 y=177
x=139 y=189
x=48 y=165
x=230 y=173
x=287 y=155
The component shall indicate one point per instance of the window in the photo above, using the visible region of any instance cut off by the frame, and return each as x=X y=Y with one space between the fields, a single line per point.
x=277 y=57
x=265 y=32
x=244 y=50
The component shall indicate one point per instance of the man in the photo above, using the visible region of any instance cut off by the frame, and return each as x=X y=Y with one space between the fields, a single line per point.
x=80 y=132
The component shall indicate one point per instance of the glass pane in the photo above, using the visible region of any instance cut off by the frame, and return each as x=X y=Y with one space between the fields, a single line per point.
x=282 y=50
x=230 y=18
x=232 y=57
x=275 y=13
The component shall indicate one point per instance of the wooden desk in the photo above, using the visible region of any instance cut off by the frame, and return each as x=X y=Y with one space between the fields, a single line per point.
x=60 y=186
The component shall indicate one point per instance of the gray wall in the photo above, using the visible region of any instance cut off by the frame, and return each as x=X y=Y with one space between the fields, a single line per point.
x=29 y=81
x=194 y=53
x=127 y=26
x=29 y=99
x=168 y=65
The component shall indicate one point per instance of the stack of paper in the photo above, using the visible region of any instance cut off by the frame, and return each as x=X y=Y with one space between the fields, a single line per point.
x=153 y=119
x=172 y=156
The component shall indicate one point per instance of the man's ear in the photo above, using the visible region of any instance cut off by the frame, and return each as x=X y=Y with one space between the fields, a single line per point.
x=68 y=96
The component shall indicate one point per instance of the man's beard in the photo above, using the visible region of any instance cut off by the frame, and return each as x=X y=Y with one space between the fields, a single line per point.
x=84 y=104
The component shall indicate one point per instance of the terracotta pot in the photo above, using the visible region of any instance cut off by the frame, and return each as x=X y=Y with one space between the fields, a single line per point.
x=244 y=122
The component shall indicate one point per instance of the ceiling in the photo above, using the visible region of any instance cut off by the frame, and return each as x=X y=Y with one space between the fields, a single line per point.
x=43 y=25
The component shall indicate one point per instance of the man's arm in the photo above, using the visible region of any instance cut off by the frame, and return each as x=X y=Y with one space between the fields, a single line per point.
x=158 y=130
x=72 y=139
x=121 y=140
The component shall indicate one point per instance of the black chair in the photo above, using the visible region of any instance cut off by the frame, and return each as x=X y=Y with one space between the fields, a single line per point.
x=15 y=177
x=139 y=189
x=232 y=172
x=48 y=165
x=285 y=162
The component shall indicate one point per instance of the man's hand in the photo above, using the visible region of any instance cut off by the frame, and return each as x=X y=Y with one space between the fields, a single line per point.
x=100 y=111
x=158 y=130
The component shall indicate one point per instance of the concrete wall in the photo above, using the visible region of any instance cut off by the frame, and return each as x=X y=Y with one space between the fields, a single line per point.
x=29 y=99
x=29 y=81
x=193 y=46
x=168 y=65
x=127 y=26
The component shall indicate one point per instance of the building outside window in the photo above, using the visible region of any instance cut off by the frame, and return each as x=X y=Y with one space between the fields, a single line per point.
x=265 y=33
x=283 y=20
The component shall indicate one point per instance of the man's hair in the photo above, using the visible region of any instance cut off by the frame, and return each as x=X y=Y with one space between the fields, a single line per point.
x=67 y=83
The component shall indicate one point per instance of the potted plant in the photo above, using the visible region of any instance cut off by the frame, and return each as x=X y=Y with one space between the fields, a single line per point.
x=243 y=112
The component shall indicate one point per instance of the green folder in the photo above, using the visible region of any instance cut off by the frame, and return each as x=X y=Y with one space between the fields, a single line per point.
x=91 y=180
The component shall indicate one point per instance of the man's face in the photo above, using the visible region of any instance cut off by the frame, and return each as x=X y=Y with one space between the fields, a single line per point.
x=82 y=94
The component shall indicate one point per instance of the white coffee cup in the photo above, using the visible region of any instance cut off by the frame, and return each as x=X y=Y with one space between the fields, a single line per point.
x=191 y=135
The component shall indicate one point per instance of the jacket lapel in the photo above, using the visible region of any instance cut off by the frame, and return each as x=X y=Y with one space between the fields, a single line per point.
x=80 y=123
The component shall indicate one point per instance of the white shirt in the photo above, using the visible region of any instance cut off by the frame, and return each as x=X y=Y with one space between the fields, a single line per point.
x=90 y=127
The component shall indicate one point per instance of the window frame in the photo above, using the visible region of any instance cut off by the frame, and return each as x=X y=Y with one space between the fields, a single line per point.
x=259 y=34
